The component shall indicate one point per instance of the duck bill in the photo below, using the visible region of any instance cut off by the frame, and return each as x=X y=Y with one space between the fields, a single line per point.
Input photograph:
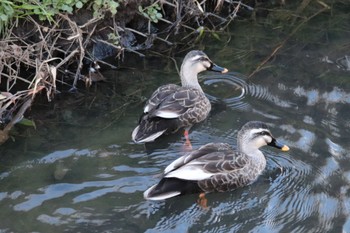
x=275 y=143
x=217 y=68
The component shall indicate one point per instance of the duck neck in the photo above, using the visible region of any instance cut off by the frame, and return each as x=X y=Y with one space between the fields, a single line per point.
x=254 y=153
x=189 y=77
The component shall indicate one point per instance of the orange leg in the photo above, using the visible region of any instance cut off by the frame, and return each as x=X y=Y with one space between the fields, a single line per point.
x=187 y=146
x=202 y=201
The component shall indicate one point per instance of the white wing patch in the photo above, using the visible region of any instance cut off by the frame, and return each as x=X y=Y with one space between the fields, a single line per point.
x=174 y=164
x=167 y=114
x=189 y=172
x=146 y=109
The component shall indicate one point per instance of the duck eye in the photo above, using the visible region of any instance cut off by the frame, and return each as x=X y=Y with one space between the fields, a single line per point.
x=203 y=59
x=264 y=133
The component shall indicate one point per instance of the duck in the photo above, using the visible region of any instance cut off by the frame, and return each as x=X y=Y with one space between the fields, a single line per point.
x=217 y=167
x=172 y=107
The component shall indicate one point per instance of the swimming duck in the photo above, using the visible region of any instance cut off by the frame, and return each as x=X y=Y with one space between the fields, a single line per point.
x=172 y=107
x=216 y=167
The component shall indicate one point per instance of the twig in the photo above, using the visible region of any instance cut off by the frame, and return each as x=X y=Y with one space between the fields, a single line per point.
x=75 y=28
x=16 y=77
x=144 y=35
x=67 y=58
x=240 y=3
x=120 y=48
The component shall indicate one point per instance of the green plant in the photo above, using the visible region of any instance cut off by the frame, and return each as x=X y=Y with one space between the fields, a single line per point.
x=114 y=38
x=100 y=6
x=151 y=12
x=6 y=14
x=47 y=9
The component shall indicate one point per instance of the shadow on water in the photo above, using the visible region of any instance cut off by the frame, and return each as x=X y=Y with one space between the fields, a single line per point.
x=82 y=173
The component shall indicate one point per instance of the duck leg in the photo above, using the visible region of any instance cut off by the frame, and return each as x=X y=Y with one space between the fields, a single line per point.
x=187 y=146
x=202 y=201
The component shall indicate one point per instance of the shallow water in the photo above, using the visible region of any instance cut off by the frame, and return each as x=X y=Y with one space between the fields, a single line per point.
x=79 y=171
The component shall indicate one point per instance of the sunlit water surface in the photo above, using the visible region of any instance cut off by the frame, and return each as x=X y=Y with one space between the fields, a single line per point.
x=86 y=175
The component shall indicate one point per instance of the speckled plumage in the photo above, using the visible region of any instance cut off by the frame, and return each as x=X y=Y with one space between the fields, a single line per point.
x=217 y=167
x=173 y=107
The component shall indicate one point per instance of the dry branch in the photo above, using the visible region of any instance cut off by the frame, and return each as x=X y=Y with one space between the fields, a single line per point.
x=38 y=56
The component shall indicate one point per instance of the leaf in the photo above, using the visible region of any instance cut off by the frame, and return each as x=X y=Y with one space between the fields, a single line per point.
x=27 y=122
x=98 y=2
x=37 y=11
x=67 y=8
x=159 y=15
x=113 y=11
x=95 y=7
x=201 y=31
x=79 y=5
x=3 y=17
x=113 y=7
x=215 y=35
x=29 y=7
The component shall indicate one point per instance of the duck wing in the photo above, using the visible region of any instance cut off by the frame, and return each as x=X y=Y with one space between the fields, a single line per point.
x=209 y=161
x=175 y=103
x=159 y=95
x=203 y=151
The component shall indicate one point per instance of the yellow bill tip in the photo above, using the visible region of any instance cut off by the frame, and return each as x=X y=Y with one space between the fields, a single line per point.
x=285 y=148
x=224 y=71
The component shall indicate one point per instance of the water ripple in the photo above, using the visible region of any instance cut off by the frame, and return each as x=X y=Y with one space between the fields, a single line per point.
x=289 y=200
x=240 y=89
x=178 y=222
x=58 y=190
x=237 y=92
x=263 y=93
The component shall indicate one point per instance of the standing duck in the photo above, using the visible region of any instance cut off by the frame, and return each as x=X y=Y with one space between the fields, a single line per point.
x=173 y=107
x=216 y=167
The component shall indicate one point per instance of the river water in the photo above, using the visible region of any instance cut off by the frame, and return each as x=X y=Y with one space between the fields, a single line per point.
x=79 y=171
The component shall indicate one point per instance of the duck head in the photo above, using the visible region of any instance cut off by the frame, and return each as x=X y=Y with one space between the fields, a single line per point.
x=197 y=61
x=256 y=134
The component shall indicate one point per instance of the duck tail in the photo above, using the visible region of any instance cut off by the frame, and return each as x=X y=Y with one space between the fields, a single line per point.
x=171 y=187
x=140 y=137
x=152 y=194
x=150 y=128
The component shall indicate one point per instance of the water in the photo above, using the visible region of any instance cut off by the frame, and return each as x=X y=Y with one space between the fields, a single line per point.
x=80 y=172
